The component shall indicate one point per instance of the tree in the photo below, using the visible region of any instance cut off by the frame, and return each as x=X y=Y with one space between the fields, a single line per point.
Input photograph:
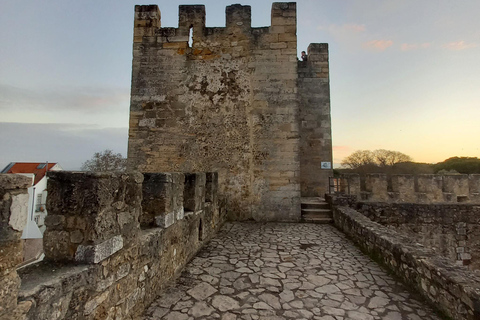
x=373 y=160
x=359 y=159
x=385 y=158
x=105 y=161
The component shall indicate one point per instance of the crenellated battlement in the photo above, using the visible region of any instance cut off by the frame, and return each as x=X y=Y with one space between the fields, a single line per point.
x=423 y=188
x=238 y=20
x=238 y=16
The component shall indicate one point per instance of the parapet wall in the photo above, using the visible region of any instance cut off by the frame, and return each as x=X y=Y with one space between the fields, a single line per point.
x=228 y=101
x=425 y=188
x=13 y=212
x=113 y=240
x=453 y=289
x=452 y=230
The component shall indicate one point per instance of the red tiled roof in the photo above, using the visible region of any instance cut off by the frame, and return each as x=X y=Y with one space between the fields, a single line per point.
x=31 y=167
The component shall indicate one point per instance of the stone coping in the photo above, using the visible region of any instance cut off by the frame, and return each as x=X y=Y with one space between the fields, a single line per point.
x=63 y=276
x=452 y=289
x=37 y=277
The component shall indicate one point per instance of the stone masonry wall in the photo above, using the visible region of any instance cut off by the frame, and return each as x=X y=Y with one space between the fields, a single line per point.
x=227 y=103
x=453 y=289
x=452 y=230
x=315 y=123
x=423 y=188
x=94 y=221
x=13 y=210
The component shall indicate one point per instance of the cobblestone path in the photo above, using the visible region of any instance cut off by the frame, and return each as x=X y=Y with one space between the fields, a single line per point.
x=285 y=271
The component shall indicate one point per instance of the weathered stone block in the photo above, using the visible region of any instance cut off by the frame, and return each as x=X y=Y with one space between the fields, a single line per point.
x=431 y=186
x=9 y=285
x=456 y=184
x=99 y=252
x=18 y=211
x=165 y=221
x=238 y=15
x=404 y=186
x=87 y=209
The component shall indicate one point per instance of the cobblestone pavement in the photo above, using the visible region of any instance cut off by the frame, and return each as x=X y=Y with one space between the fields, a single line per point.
x=285 y=271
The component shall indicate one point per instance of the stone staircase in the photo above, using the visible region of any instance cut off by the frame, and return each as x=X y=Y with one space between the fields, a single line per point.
x=316 y=210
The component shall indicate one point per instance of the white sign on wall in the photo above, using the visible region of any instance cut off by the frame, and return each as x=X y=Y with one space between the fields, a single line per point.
x=326 y=165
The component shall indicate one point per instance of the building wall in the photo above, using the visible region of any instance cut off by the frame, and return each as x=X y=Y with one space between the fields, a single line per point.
x=229 y=103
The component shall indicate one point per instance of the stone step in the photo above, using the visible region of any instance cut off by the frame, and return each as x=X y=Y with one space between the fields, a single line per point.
x=316 y=218
x=315 y=205
x=317 y=211
x=312 y=199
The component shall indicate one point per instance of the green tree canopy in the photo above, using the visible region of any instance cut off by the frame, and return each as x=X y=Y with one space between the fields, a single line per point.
x=466 y=165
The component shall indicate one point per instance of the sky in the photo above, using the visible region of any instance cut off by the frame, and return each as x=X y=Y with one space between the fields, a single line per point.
x=404 y=75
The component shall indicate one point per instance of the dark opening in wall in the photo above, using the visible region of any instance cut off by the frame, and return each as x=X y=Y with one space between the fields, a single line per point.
x=363 y=184
x=209 y=187
x=190 y=36
x=189 y=192
x=389 y=183
x=200 y=230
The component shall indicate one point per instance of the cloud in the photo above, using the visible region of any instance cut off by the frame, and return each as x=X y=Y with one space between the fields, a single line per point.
x=94 y=99
x=459 y=45
x=349 y=27
x=378 y=45
x=345 y=32
x=68 y=144
x=415 y=46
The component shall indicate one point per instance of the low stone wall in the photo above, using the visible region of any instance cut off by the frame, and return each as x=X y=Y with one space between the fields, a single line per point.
x=452 y=289
x=100 y=263
x=13 y=215
x=424 y=188
x=452 y=230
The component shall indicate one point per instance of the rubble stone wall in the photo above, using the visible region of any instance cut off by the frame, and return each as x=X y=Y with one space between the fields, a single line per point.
x=453 y=289
x=13 y=207
x=228 y=101
x=452 y=230
x=423 y=188
x=99 y=262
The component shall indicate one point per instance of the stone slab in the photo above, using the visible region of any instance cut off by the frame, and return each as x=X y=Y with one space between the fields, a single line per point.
x=99 y=252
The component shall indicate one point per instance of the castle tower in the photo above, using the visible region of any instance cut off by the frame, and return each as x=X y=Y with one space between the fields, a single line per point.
x=234 y=100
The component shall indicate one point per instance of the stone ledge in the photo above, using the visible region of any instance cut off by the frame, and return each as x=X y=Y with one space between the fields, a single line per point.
x=436 y=278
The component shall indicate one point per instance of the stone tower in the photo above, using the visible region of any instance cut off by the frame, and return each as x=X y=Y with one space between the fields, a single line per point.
x=234 y=100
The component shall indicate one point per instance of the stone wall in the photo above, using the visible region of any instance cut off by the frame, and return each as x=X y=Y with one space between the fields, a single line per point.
x=451 y=230
x=424 y=188
x=113 y=240
x=13 y=214
x=315 y=124
x=229 y=102
x=452 y=289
